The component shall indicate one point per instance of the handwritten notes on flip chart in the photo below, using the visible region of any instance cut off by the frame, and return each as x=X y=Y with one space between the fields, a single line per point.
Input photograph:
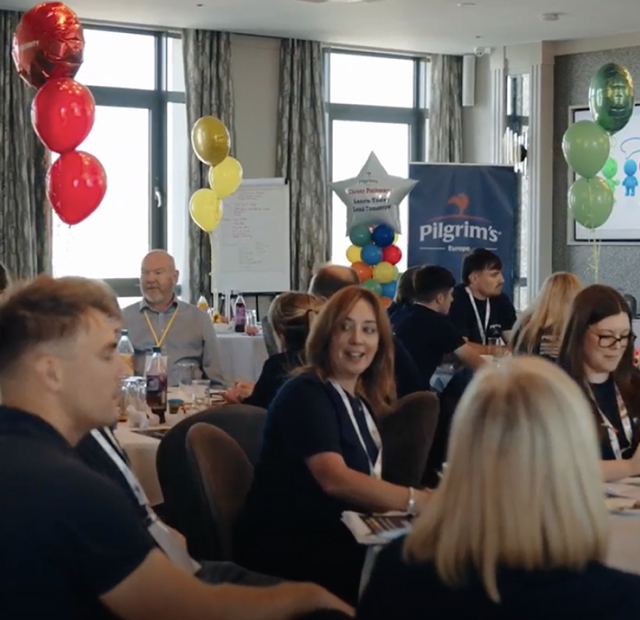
x=253 y=239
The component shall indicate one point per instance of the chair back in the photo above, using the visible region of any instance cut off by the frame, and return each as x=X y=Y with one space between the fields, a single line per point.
x=223 y=476
x=245 y=424
x=407 y=434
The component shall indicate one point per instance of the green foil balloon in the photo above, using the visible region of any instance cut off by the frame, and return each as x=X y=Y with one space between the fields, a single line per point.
x=611 y=97
x=591 y=202
x=586 y=148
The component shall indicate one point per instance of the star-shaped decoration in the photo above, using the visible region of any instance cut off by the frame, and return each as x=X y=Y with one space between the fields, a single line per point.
x=373 y=197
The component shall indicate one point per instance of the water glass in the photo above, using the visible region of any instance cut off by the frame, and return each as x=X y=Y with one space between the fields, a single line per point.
x=186 y=373
x=251 y=327
x=200 y=388
x=496 y=349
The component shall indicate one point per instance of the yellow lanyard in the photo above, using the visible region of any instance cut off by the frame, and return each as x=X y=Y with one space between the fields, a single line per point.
x=166 y=329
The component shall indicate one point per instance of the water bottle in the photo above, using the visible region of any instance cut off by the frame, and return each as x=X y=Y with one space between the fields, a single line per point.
x=240 y=313
x=203 y=304
x=127 y=352
x=156 y=375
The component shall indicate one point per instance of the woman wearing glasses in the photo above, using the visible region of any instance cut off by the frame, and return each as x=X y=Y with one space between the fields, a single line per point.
x=597 y=351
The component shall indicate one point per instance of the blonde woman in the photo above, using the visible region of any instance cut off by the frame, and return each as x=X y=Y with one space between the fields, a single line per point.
x=291 y=315
x=518 y=527
x=539 y=330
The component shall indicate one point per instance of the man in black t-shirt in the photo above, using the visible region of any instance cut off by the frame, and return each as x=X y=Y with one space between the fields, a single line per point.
x=480 y=310
x=72 y=545
x=425 y=329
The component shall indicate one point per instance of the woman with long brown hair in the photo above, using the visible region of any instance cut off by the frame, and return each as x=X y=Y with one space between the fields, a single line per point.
x=322 y=451
x=597 y=352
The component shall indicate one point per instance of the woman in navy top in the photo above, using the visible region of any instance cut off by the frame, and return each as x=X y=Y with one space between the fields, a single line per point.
x=322 y=451
x=518 y=527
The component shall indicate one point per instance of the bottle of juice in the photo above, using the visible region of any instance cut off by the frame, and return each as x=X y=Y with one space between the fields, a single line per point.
x=202 y=304
x=126 y=352
x=156 y=375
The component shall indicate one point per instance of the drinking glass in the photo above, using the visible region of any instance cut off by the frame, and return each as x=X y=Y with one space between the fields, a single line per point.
x=186 y=372
x=201 y=393
x=251 y=327
x=496 y=349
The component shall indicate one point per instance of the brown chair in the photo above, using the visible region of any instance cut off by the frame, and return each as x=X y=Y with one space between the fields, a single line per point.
x=223 y=474
x=407 y=434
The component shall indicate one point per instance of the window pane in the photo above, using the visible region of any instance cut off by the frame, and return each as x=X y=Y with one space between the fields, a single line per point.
x=127 y=301
x=352 y=143
x=118 y=59
x=111 y=242
x=175 y=67
x=177 y=188
x=371 y=80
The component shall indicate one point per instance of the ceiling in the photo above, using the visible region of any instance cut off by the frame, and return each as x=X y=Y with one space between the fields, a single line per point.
x=404 y=25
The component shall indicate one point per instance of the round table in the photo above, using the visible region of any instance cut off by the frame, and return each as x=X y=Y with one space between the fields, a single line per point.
x=241 y=356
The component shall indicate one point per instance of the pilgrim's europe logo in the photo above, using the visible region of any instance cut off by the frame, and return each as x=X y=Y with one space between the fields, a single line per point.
x=456 y=228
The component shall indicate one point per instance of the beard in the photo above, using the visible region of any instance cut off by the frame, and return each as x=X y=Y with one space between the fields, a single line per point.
x=153 y=296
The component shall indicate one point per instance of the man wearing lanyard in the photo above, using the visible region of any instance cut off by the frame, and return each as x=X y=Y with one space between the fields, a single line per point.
x=183 y=332
x=480 y=310
x=72 y=544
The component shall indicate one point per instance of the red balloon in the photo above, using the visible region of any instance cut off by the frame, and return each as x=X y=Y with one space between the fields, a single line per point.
x=76 y=185
x=48 y=43
x=62 y=114
x=391 y=254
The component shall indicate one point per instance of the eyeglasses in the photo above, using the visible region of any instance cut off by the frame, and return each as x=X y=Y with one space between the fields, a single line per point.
x=608 y=342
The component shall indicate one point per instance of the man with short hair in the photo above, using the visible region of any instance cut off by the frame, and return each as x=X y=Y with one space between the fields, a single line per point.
x=480 y=310
x=330 y=279
x=72 y=545
x=183 y=331
x=425 y=329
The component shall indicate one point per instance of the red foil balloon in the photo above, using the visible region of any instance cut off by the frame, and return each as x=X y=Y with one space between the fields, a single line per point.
x=48 y=43
x=391 y=254
x=62 y=114
x=76 y=185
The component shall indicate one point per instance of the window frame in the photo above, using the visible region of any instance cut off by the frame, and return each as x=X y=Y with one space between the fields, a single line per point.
x=415 y=117
x=157 y=102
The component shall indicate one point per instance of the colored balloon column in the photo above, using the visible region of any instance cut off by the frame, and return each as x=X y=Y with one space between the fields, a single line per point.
x=374 y=257
x=47 y=50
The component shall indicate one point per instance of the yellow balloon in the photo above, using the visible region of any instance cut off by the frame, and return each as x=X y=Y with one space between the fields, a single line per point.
x=206 y=209
x=396 y=236
x=225 y=178
x=354 y=254
x=210 y=140
x=384 y=273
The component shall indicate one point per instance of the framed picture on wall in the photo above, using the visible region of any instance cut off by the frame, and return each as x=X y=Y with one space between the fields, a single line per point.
x=622 y=172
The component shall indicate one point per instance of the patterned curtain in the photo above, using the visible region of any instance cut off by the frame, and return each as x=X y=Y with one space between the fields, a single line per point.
x=445 y=109
x=209 y=92
x=25 y=215
x=301 y=156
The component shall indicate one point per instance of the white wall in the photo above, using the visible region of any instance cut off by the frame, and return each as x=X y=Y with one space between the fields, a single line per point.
x=477 y=126
x=255 y=70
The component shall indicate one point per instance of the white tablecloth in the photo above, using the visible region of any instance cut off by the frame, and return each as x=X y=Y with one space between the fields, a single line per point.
x=241 y=356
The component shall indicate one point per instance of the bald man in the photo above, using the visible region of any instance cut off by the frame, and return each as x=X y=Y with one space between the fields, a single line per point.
x=184 y=332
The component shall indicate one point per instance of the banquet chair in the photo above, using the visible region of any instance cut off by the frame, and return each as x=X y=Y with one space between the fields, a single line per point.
x=245 y=424
x=223 y=475
x=407 y=433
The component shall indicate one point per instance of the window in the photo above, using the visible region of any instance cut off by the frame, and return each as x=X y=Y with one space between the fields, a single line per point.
x=374 y=103
x=140 y=136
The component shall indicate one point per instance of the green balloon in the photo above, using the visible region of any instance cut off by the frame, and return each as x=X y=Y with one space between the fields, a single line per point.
x=612 y=97
x=373 y=285
x=591 y=202
x=610 y=169
x=360 y=235
x=586 y=148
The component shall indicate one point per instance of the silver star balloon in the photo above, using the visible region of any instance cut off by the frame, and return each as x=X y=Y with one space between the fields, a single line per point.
x=373 y=197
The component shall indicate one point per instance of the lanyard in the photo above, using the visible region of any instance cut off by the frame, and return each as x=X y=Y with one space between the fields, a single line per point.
x=375 y=469
x=611 y=430
x=487 y=314
x=163 y=337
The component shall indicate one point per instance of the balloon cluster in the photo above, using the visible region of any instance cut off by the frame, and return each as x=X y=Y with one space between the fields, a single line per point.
x=211 y=143
x=374 y=257
x=586 y=145
x=47 y=51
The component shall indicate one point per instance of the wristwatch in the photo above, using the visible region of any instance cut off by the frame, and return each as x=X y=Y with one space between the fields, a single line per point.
x=411 y=504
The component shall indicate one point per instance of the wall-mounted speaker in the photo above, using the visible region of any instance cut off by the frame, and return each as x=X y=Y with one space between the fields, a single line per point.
x=468 y=80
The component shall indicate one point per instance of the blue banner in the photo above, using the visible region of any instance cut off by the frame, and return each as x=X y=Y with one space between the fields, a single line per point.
x=457 y=208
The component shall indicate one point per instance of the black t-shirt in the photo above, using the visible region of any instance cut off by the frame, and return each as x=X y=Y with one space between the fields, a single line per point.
x=428 y=336
x=605 y=395
x=416 y=592
x=67 y=534
x=502 y=315
x=275 y=372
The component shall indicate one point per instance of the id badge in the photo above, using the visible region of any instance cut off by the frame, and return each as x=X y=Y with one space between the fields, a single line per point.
x=172 y=547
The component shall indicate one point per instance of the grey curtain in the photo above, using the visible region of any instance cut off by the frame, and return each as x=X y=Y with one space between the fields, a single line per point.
x=25 y=216
x=209 y=92
x=445 y=109
x=301 y=156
